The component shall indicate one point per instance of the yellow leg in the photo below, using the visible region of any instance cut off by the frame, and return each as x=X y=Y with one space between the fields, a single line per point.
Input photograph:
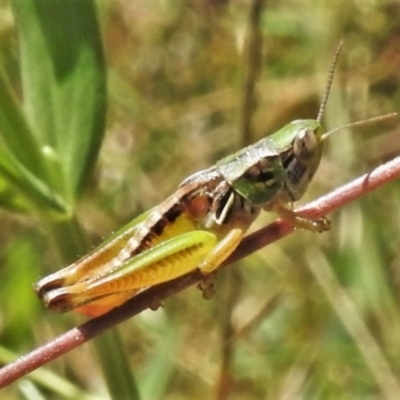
x=216 y=257
x=221 y=251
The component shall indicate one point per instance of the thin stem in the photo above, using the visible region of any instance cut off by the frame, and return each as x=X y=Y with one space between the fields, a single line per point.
x=73 y=338
x=253 y=68
x=253 y=53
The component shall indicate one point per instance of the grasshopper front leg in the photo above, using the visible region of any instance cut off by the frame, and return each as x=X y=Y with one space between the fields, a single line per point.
x=299 y=221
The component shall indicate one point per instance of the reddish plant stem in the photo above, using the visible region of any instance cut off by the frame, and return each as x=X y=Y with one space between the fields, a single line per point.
x=73 y=338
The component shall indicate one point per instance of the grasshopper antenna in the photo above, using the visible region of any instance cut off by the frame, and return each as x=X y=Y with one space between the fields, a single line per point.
x=358 y=123
x=329 y=82
x=325 y=100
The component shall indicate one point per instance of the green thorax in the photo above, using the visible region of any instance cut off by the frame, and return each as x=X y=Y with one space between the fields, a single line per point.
x=281 y=164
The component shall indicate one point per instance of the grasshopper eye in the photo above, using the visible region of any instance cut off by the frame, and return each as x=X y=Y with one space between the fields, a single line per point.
x=304 y=144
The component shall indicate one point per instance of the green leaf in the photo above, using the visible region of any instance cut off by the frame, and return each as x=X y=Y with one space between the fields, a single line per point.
x=20 y=159
x=64 y=87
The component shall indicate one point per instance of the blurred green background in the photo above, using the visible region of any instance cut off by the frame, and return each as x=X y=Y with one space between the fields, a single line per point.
x=310 y=317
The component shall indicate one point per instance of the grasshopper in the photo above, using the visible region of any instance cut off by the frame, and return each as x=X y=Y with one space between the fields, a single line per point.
x=200 y=224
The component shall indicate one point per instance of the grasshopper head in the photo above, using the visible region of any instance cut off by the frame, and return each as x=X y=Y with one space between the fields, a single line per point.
x=300 y=145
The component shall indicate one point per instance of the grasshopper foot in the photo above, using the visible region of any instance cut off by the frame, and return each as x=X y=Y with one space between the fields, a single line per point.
x=299 y=221
x=155 y=305
x=313 y=225
x=207 y=286
x=322 y=224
